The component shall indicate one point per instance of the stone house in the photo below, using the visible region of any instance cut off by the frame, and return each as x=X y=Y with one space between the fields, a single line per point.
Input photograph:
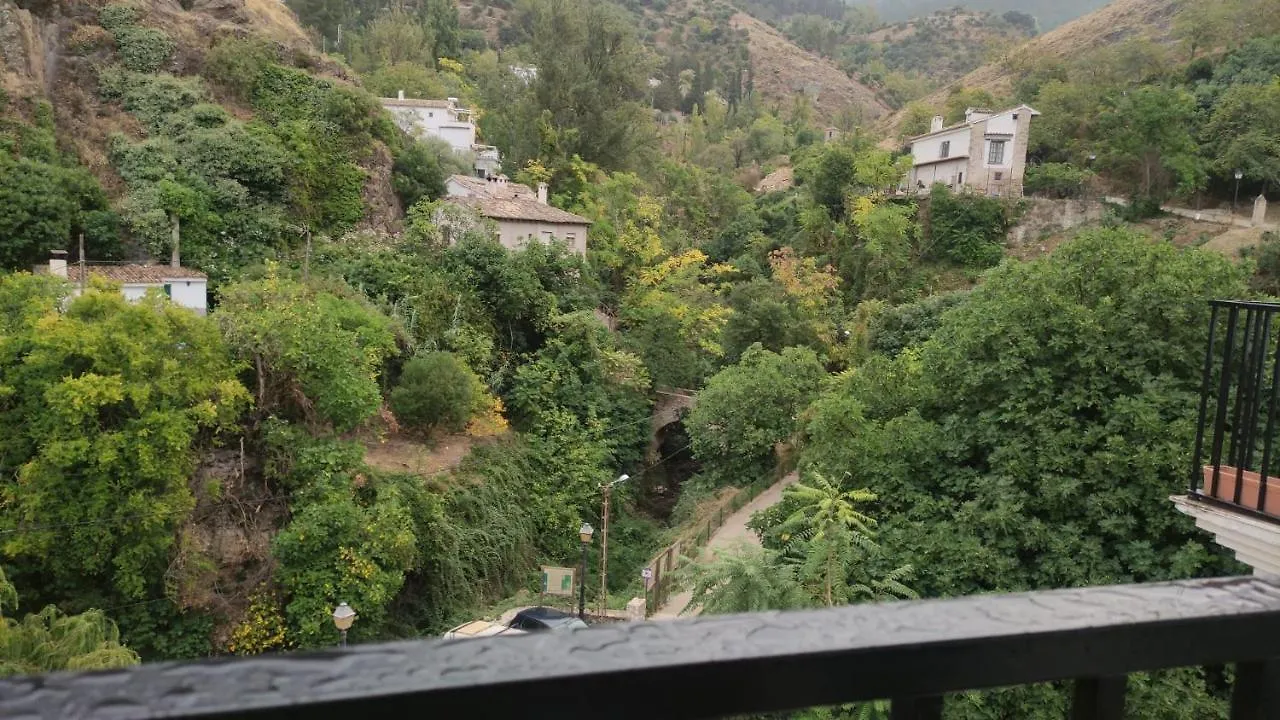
x=185 y=287
x=520 y=213
x=987 y=153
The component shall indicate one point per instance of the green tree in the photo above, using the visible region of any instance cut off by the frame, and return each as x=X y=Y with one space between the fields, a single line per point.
x=1146 y=139
x=436 y=390
x=315 y=356
x=50 y=641
x=748 y=408
x=102 y=408
x=592 y=79
x=1244 y=133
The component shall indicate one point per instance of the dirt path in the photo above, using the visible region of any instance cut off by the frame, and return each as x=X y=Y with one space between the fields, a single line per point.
x=734 y=532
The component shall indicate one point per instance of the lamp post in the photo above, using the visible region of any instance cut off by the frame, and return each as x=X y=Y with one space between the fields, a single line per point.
x=1236 y=201
x=604 y=540
x=343 y=617
x=584 y=534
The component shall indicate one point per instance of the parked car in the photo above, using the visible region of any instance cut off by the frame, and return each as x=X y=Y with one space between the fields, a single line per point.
x=541 y=619
x=481 y=628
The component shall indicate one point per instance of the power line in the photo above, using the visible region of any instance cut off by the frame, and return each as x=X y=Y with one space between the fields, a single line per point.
x=114 y=521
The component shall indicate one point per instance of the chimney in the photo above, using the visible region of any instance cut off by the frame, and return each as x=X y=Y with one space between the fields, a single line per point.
x=542 y=193
x=937 y=123
x=400 y=96
x=453 y=102
x=58 y=263
x=973 y=115
x=502 y=180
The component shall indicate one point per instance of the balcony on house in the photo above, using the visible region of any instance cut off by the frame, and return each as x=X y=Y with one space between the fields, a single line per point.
x=1234 y=488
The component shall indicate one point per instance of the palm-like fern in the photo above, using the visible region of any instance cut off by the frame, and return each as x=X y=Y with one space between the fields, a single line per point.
x=745 y=579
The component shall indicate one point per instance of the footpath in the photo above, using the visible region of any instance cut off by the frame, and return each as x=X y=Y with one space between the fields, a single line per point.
x=732 y=533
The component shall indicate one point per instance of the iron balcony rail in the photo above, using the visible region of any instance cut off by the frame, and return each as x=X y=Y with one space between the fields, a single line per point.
x=1238 y=402
x=912 y=652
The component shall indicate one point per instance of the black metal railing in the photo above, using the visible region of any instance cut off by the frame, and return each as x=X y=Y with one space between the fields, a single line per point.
x=1236 y=451
x=911 y=653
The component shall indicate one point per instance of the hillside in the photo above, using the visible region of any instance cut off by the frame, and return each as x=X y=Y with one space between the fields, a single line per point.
x=1049 y=13
x=942 y=46
x=782 y=69
x=1121 y=20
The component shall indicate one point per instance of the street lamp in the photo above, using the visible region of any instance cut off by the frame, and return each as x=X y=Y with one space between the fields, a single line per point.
x=1236 y=201
x=584 y=534
x=343 y=617
x=604 y=540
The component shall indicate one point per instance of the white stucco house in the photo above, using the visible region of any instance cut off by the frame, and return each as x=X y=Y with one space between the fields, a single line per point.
x=185 y=287
x=522 y=215
x=448 y=121
x=987 y=153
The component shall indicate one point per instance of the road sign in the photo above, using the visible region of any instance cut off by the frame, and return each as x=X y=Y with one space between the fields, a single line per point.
x=557 y=581
x=647 y=574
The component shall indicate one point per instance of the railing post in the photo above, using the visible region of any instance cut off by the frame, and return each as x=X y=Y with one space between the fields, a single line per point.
x=916 y=708
x=1256 y=695
x=1099 y=698
x=1197 y=472
x=1224 y=389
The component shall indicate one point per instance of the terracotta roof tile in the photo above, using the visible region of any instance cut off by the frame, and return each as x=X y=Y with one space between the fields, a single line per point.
x=520 y=209
x=136 y=274
x=492 y=189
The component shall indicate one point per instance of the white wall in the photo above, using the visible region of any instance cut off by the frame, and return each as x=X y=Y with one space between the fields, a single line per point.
x=930 y=148
x=947 y=173
x=192 y=294
x=438 y=122
x=515 y=234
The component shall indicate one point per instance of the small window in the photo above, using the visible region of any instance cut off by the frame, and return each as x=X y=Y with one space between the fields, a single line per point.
x=168 y=290
x=548 y=235
x=960 y=179
x=946 y=148
x=1015 y=117
x=996 y=155
x=431 y=114
x=999 y=176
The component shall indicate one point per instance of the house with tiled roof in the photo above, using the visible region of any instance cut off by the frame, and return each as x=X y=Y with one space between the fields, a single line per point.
x=449 y=121
x=185 y=287
x=520 y=213
x=987 y=153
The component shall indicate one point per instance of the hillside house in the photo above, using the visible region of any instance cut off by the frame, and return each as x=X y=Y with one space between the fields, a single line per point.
x=987 y=153
x=185 y=287
x=521 y=214
x=448 y=121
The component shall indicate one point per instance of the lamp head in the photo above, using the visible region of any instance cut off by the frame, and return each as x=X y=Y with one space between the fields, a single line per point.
x=1239 y=174
x=343 y=617
x=585 y=532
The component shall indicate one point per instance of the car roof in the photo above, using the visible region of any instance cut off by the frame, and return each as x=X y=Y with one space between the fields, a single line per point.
x=544 y=613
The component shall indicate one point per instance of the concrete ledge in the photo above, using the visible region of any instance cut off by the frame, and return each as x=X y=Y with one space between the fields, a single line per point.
x=1255 y=541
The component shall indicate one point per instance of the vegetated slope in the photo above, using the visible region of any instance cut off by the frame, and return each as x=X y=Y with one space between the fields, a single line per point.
x=781 y=70
x=1050 y=13
x=1121 y=20
x=940 y=47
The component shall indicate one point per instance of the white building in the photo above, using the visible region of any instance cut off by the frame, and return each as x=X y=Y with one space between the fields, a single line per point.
x=185 y=287
x=521 y=213
x=986 y=153
x=446 y=120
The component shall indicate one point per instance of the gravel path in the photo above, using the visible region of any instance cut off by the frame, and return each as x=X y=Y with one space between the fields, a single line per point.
x=734 y=532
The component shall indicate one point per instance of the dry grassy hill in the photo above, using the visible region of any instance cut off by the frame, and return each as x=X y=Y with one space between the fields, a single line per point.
x=1121 y=20
x=782 y=70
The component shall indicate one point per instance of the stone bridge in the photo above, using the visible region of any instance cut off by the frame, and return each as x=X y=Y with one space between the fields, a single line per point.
x=670 y=406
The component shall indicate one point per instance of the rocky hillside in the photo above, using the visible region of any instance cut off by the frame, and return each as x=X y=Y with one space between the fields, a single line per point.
x=1121 y=20
x=56 y=59
x=782 y=69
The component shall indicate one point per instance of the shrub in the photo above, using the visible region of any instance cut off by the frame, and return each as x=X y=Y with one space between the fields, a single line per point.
x=237 y=63
x=1056 y=180
x=118 y=16
x=436 y=390
x=143 y=49
x=968 y=229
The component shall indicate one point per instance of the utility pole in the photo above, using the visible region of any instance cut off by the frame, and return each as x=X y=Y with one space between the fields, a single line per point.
x=83 y=270
x=604 y=543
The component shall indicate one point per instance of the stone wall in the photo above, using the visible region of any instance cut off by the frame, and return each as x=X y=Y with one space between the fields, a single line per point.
x=1048 y=216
